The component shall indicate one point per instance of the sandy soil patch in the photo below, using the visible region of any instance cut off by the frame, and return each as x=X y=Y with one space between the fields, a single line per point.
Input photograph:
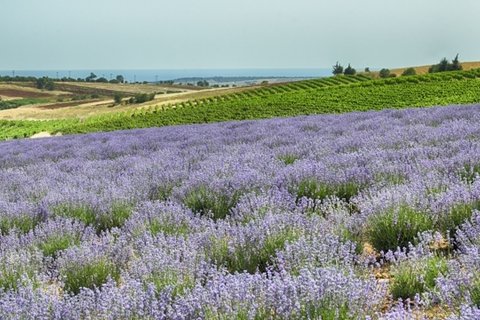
x=44 y=135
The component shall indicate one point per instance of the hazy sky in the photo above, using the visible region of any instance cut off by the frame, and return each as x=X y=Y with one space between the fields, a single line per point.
x=159 y=34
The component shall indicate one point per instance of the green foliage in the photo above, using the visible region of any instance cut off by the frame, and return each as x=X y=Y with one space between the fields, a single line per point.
x=23 y=223
x=162 y=192
x=444 y=65
x=456 y=216
x=390 y=178
x=56 y=243
x=456 y=65
x=84 y=214
x=475 y=291
x=409 y=72
x=384 y=73
x=316 y=190
x=91 y=77
x=88 y=275
x=203 y=83
x=11 y=276
x=470 y=172
x=288 y=158
x=118 y=98
x=166 y=278
x=45 y=83
x=12 y=104
x=337 y=69
x=330 y=95
x=349 y=71
x=115 y=217
x=397 y=228
x=142 y=98
x=248 y=257
x=325 y=310
x=205 y=201
x=155 y=226
x=415 y=277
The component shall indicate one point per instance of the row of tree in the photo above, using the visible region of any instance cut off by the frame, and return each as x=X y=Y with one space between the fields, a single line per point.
x=338 y=70
x=137 y=98
x=93 y=78
x=45 y=83
x=386 y=73
x=443 y=66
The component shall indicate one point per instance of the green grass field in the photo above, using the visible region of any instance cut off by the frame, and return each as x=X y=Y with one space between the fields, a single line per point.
x=329 y=95
x=11 y=104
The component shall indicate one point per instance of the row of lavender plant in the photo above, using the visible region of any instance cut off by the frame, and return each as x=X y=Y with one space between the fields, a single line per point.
x=362 y=215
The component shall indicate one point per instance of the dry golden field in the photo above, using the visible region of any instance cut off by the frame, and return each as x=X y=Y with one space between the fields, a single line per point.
x=424 y=69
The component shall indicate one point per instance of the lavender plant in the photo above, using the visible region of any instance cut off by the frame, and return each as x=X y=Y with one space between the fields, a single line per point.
x=318 y=217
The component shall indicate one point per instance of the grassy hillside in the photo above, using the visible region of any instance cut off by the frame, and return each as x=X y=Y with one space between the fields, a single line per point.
x=331 y=95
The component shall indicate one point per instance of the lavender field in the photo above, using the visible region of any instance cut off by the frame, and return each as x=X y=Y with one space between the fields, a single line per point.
x=357 y=216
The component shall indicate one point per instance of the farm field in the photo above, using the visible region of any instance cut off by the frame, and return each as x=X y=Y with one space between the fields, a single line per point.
x=79 y=94
x=329 y=95
x=312 y=217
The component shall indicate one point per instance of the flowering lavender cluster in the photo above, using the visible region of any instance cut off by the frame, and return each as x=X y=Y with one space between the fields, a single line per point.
x=363 y=215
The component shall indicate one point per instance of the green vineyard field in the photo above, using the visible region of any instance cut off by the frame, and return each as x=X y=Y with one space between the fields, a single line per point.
x=328 y=95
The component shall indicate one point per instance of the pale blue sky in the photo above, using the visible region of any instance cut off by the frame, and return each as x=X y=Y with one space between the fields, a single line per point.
x=158 y=34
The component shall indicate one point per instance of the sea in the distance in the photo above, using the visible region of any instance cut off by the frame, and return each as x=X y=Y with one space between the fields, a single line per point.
x=172 y=74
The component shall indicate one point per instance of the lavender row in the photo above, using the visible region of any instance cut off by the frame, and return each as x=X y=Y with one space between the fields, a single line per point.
x=319 y=217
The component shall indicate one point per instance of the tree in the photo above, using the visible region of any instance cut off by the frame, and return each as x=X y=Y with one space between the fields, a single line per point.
x=384 y=73
x=409 y=72
x=367 y=69
x=120 y=78
x=91 y=77
x=50 y=85
x=337 y=69
x=117 y=98
x=349 y=71
x=45 y=83
x=203 y=83
x=444 y=65
x=456 y=65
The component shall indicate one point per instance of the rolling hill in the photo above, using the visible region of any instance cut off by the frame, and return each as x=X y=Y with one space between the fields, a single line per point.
x=327 y=95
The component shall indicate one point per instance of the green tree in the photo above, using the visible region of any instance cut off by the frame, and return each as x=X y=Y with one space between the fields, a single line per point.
x=337 y=69
x=456 y=65
x=384 y=73
x=45 y=83
x=50 y=85
x=120 y=78
x=409 y=72
x=443 y=65
x=349 y=71
x=203 y=83
x=91 y=77
x=117 y=98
